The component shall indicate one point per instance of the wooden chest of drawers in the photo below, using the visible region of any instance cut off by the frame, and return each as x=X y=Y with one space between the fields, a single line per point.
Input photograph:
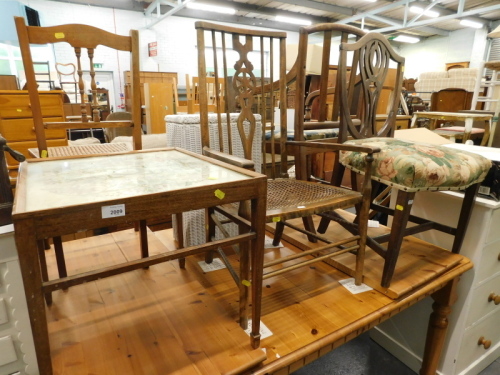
x=16 y=123
x=17 y=350
x=476 y=314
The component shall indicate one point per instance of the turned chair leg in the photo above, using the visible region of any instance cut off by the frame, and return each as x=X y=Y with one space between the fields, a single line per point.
x=404 y=202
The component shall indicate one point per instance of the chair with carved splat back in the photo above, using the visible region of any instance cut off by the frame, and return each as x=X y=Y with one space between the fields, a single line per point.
x=406 y=166
x=251 y=64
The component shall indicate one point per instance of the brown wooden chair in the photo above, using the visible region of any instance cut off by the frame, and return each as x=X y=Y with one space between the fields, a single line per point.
x=6 y=196
x=406 y=166
x=214 y=90
x=80 y=37
x=224 y=133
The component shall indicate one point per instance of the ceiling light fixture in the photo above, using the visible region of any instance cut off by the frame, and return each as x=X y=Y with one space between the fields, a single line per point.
x=371 y=1
x=406 y=39
x=428 y=12
x=469 y=23
x=295 y=21
x=210 y=8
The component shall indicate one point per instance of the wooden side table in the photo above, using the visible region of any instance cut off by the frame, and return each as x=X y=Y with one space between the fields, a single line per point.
x=62 y=196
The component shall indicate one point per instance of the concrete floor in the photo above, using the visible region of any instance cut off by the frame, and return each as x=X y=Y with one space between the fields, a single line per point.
x=363 y=356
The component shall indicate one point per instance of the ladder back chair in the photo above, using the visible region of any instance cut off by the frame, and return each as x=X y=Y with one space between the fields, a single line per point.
x=80 y=37
x=406 y=166
x=67 y=76
x=248 y=57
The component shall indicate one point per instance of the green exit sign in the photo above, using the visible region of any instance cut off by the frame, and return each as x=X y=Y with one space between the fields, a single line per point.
x=98 y=65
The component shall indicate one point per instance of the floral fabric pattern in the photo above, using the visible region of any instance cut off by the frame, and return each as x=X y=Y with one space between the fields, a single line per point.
x=414 y=166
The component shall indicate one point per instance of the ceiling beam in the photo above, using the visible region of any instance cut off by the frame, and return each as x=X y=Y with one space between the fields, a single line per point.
x=320 y=6
x=359 y=16
x=257 y=22
x=241 y=7
x=467 y=14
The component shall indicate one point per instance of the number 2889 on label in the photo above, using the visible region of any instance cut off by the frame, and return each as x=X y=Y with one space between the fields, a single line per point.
x=113 y=211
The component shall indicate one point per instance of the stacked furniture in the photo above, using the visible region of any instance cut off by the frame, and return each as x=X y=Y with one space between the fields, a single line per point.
x=16 y=122
x=429 y=82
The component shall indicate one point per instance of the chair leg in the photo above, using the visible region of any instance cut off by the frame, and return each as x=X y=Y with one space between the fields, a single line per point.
x=404 y=202
x=465 y=214
x=43 y=268
x=323 y=225
x=280 y=227
x=309 y=226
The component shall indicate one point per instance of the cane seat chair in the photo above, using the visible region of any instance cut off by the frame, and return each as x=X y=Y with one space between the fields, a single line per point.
x=245 y=58
x=80 y=37
x=406 y=166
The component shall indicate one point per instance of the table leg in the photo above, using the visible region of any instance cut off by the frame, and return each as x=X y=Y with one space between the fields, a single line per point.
x=32 y=279
x=258 y=213
x=413 y=120
x=438 y=325
x=468 y=129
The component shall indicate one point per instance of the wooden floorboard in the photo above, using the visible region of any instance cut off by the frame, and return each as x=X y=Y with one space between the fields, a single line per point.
x=165 y=320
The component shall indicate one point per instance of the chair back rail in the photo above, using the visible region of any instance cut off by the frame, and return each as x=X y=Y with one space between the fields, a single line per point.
x=244 y=62
x=80 y=37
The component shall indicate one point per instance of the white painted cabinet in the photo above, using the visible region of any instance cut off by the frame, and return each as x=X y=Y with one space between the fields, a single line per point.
x=474 y=315
x=17 y=351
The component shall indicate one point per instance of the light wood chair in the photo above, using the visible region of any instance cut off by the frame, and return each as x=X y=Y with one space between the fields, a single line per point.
x=214 y=90
x=67 y=76
x=80 y=37
x=407 y=167
x=261 y=54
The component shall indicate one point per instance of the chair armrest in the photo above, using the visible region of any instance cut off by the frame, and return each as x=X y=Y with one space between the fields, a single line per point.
x=230 y=159
x=318 y=146
x=87 y=125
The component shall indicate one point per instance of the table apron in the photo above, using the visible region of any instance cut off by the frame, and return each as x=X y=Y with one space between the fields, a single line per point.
x=76 y=219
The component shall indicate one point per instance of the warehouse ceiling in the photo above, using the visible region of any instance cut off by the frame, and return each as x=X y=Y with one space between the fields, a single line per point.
x=389 y=17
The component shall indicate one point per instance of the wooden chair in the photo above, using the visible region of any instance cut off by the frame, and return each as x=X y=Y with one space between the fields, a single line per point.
x=406 y=166
x=6 y=196
x=67 y=76
x=214 y=90
x=287 y=198
x=79 y=37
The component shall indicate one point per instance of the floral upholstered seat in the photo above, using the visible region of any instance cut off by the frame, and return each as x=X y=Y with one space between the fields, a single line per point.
x=414 y=166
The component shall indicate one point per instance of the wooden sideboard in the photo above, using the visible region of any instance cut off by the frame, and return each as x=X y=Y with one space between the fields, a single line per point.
x=16 y=122
x=475 y=314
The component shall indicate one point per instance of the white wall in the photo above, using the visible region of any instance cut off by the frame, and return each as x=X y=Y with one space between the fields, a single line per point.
x=176 y=38
x=433 y=53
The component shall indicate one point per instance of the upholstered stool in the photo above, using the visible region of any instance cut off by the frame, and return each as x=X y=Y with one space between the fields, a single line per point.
x=410 y=167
